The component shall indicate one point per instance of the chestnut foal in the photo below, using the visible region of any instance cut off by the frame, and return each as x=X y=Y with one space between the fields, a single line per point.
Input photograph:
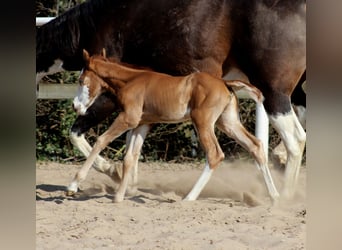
x=146 y=97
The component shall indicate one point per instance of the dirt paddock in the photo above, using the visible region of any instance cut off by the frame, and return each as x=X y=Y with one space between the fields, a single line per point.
x=233 y=211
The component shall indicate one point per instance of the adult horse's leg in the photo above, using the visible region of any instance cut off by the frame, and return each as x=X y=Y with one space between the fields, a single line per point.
x=294 y=137
x=103 y=107
x=298 y=100
x=134 y=145
x=275 y=65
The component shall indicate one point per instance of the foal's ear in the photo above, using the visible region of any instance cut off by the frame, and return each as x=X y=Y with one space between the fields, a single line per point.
x=104 y=53
x=86 y=55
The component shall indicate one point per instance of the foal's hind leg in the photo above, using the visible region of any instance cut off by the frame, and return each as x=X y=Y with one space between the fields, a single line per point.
x=119 y=126
x=131 y=159
x=132 y=154
x=230 y=124
x=204 y=124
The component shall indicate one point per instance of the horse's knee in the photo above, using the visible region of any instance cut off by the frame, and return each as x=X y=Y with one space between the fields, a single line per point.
x=132 y=121
x=101 y=143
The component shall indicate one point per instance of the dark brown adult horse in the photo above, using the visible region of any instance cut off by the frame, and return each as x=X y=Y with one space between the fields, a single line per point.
x=265 y=39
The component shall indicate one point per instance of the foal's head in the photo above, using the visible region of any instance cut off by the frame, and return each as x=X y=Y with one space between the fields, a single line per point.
x=90 y=86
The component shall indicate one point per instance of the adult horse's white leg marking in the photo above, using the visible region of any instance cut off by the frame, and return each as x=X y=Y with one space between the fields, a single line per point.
x=201 y=182
x=279 y=152
x=294 y=137
x=301 y=114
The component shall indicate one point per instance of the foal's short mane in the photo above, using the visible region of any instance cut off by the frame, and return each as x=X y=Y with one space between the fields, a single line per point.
x=129 y=65
x=125 y=66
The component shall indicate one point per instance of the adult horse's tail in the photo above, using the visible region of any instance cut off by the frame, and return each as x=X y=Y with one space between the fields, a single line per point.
x=245 y=89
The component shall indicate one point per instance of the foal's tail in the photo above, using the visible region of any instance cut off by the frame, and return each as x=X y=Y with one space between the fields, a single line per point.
x=245 y=89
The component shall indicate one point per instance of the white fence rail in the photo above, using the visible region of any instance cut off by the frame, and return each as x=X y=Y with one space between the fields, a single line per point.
x=56 y=91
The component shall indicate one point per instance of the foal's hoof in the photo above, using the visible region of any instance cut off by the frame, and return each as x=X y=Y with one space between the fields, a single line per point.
x=118 y=199
x=70 y=193
x=72 y=189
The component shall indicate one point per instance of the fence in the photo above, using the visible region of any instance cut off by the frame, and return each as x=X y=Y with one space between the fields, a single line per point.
x=65 y=91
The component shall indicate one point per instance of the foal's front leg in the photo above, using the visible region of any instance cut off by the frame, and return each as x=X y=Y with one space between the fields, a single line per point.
x=103 y=107
x=118 y=127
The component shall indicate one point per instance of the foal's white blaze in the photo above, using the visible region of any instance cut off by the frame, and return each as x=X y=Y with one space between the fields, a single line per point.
x=81 y=101
x=294 y=137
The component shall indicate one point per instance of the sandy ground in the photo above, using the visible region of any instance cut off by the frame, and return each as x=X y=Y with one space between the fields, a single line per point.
x=233 y=211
